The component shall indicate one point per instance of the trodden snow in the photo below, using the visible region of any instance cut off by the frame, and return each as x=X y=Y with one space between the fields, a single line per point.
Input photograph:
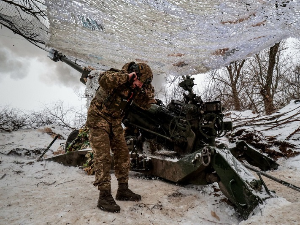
x=44 y=192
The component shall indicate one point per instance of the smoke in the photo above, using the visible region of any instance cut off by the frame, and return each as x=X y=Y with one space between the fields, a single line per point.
x=11 y=65
x=58 y=73
x=18 y=57
x=158 y=81
x=18 y=45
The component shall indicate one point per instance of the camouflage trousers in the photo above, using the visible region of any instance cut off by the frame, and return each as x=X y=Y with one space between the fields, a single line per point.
x=103 y=138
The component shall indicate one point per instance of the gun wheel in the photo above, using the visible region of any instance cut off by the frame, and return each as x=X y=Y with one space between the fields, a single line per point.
x=211 y=125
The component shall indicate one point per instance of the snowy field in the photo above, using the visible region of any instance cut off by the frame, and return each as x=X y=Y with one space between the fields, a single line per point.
x=43 y=192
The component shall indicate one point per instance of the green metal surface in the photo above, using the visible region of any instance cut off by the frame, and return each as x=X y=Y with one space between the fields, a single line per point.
x=186 y=170
x=253 y=156
x=76 y=158
x=237 y=184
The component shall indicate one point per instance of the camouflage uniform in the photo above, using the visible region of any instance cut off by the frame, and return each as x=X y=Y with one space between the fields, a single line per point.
x=104 y=121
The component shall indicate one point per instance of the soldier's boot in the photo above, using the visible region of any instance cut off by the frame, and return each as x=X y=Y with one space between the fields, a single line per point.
x=106 y=202
x=125 y=194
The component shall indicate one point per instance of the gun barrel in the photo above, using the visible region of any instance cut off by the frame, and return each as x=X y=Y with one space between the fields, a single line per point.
x=72 y=64
x=150 y=131
x=57 y=56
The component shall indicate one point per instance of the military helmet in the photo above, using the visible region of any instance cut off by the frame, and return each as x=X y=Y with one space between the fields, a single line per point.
x=142 y=70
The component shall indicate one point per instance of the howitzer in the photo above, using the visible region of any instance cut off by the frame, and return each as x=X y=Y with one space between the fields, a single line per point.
x=177 y=142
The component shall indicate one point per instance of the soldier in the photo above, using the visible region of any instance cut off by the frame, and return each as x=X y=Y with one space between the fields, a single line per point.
x=117 y=88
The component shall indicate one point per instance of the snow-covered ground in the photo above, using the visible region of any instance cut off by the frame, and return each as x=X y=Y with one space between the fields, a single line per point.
x=44 y=192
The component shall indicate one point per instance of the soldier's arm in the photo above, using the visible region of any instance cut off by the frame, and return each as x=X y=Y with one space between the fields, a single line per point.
x=144 y=100
x=111 y=80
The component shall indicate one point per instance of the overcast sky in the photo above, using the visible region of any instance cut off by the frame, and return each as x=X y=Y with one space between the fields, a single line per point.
x=29 y=80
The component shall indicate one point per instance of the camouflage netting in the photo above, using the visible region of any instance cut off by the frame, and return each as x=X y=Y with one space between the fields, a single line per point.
x=173 y=37
x=80 y=142
x=177 y=37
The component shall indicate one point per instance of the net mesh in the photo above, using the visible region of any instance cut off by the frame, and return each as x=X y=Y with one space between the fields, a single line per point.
x=173 y=37
x=26 y=18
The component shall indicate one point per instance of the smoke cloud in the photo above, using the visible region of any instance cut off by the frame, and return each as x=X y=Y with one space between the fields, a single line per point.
x=59 y=73
x=11 y=65
x=17 y=55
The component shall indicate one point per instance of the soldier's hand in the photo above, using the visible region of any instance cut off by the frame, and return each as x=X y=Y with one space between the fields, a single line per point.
x=134 y=81
x=137 y=84
x=132 y=77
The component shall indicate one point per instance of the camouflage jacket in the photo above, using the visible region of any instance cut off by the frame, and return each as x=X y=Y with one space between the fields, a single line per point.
x=112 y=95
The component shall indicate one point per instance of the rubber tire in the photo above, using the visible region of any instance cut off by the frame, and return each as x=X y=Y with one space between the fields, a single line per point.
x=71 y=138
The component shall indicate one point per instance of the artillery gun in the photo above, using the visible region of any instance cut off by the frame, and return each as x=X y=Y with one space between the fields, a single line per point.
x=178 y=143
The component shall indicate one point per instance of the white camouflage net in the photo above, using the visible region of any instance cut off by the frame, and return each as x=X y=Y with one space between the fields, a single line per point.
x=173 y=37
x=91 y=86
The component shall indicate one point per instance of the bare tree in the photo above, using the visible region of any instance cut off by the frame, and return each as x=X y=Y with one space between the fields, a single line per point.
x=170 y=90
x=269 y=84
x=262 y=83
x=291 y=85
x=235 y=73
x=26 y=18
x=227 y=86
x=295 y=84
x=270 y=72
x=12 y=119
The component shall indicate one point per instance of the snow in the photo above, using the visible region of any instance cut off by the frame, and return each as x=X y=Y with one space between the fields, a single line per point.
x=241 y=170
x=31 y=139
x=49 y=193
x=280 y=125
x=293 y=163
x=44 y=192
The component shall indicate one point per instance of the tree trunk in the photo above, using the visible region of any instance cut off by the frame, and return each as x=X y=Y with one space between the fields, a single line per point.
x=234 y=71
x=266 y=91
